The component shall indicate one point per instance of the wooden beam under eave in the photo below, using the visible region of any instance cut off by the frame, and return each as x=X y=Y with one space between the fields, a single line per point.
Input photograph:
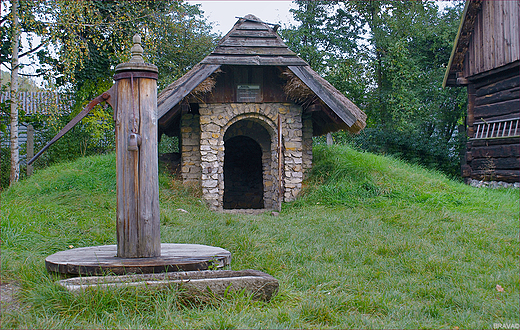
x=165 y=120
x=332 y=115
x=461 y=81
x=313 y=108
x=176 y=91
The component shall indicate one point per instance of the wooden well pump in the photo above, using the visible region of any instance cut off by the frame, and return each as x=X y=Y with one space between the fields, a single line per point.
x=134 y=100
x=135 y=114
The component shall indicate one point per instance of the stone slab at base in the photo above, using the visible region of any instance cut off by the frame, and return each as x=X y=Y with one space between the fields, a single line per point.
x=262 y=286
x=245 y=211
x=102 y=260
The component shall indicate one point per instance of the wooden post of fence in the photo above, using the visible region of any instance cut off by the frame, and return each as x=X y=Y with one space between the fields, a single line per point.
x=30 y=148
x=138 y=227
x=330 y=141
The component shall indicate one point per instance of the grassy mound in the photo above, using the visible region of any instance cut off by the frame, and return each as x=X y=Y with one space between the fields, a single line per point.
x=372 y=243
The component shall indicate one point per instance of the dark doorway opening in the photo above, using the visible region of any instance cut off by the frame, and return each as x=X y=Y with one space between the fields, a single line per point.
x=243 y=179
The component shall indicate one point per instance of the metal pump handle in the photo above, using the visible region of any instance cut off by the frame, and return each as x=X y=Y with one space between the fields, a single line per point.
x=107 y=96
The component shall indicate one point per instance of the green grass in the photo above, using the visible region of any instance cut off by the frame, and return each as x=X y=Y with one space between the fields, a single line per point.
x=372 y=243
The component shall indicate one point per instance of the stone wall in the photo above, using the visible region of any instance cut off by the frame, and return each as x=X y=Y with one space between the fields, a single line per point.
x=190 y=148
x=259 y=122
x=293 y=151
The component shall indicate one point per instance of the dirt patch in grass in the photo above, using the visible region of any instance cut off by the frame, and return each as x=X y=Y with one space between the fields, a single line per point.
x=7 y=294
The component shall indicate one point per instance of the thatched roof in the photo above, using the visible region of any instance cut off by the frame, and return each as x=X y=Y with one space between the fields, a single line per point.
x=252 y=42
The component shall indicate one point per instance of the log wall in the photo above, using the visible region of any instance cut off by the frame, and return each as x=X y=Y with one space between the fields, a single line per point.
x=494 y=98
x=497 y=97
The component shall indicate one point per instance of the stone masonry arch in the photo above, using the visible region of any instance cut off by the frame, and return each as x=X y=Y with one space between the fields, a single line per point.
x=203 y=148
x=261 y=130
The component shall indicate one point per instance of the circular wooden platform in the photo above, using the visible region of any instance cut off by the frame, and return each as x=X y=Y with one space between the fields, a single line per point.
x=102 y=260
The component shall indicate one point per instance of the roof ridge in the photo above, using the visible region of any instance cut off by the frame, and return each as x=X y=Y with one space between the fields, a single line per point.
x=253 y=18
x=251 y=37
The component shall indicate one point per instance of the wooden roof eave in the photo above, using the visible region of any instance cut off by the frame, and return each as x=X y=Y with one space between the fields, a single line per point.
x=460 y=45
x=174 y=93
x=348 y=112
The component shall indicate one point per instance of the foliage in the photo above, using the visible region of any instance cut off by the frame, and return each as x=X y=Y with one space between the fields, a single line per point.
x=30 y=26
x=86 y=40
x=411 y=44
x=90 y=39
x=94 y=36
x=168 y=144
x=25 y=84
x=392 y=66
x=93 y=135
x=324 y=35
x=80 y=46
x=373 y=243
x=180 y=40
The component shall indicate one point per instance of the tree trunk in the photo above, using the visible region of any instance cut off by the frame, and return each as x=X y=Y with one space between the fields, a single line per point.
x=15 y=166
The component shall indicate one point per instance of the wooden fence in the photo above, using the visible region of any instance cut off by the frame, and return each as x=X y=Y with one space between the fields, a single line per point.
x=37 y=103
x=43 y=103
x=32 y=103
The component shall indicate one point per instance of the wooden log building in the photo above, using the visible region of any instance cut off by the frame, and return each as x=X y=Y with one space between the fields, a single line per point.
x=245 y=117
x=485 y=59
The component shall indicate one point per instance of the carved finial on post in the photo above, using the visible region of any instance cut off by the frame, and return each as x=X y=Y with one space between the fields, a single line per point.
x=137 y=50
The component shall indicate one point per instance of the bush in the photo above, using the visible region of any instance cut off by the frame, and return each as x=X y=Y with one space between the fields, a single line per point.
x=412 y=146
x=5 y=165
x=80 y=141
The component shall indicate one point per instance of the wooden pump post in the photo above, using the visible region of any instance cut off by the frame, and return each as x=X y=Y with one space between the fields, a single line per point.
x=139 y=248
x=135 y=114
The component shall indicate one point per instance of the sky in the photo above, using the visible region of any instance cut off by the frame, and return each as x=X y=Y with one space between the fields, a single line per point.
x=222 y=14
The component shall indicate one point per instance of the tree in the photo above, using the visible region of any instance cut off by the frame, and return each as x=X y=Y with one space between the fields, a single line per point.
x=175 y=37
x=15 y=33
x=86 y=41
x=407 y=39
x=92 y=37
x=394 y=73
x=17 y=21
x=326 y=33
x=76 y=48
x=30 y=28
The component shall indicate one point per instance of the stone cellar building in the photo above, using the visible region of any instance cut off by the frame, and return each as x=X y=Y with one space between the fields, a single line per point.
x=245 y=117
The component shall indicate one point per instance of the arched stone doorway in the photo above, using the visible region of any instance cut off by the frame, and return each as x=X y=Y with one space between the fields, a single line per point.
x=247 y=165
x=243 y=180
